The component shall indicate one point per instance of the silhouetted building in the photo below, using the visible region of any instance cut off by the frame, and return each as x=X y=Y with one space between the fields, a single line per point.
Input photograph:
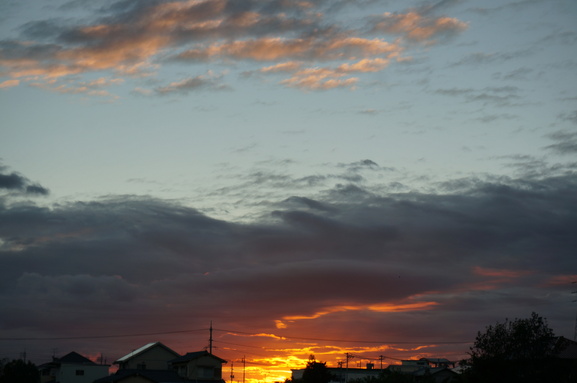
x=72 y=368
x=199 y=366
x=344 y=374
x=152 y=356
x=156 y=363
x=430 y=369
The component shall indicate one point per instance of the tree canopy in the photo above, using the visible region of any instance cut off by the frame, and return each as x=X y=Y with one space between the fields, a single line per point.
x=19 y=371
x=316 y=372
x=519 y=350
x=520 y=339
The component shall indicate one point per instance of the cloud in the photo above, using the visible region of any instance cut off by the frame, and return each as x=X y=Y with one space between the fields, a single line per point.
x=505 y=95
x=311 y=48
x=135 y=39
x=9 y=83
x=209 y=81
x=297 y=51
x=416 y=26
x=90 y=88
x=566 y=142
x=482 y=58
x=396 y=264
x=14 y=182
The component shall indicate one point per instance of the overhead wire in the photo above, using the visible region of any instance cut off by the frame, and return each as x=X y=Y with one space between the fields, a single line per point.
x=102 y=336
x=232 y=332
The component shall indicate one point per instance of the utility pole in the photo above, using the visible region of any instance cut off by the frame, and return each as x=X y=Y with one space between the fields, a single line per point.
x=381 y=358
x=347 y=356
x=210 y=340
x=575 y=331
x=231 y=372
x=243 y=369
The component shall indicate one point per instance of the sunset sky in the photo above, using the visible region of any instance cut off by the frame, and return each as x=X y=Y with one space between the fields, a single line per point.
x=383 y=178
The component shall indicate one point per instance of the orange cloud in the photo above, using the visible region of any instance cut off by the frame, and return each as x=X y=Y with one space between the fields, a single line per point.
x=327 y=78
x=501 y=273
x=210 y=30
x=9 y=83
x=365 y=65
x=319 y=79
x=497 y=277
x=379 y=307
x=275 y=48
x=418 y=27
x=291 y=66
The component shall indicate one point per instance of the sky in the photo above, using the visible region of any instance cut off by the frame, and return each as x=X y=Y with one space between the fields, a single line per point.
x=378 y=178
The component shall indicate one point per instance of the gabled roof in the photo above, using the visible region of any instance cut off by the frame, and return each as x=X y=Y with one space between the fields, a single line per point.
x=195 y=355
x=74 y=358
x=437 y=360
x=565 y=348
x=143 y=349
x=70 y=358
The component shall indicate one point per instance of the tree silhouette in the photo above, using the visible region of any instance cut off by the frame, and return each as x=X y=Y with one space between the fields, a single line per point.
x=316 y=372
x=19 y=371
x=514 y=351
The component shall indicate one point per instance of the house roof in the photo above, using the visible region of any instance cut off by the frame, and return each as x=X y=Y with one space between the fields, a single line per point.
x=437 y=360
x=144 y=348
x=431 y=371
x=195 y=355
x=70 y=358
x=74 y=358
x=565 y=348
x=154 y=376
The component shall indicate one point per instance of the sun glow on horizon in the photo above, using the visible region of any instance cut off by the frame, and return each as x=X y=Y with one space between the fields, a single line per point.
x=277 y=360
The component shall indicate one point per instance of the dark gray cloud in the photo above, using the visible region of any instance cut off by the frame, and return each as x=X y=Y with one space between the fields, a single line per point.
x=566 y=142
x=395 y=264
x=500 y=96
x=15 y=182
x=185 y=86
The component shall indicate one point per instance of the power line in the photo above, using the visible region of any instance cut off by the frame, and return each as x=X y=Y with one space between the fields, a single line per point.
x=232 y=332
x=105 y=336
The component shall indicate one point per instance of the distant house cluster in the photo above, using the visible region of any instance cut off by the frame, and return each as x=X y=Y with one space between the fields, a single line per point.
x=438 y=369
x=151 y=363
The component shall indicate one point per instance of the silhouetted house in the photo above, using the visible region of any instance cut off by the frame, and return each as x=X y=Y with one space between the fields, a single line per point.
x=408 y=366
x=200 y=366
x=143 y=376
x=439 y=362
x=72 y=368
x=564 y=348
x=344 y=374
x=564 y=364
x=428 y=369
x=440 y=374
x=156 y=363
x=152 y=356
